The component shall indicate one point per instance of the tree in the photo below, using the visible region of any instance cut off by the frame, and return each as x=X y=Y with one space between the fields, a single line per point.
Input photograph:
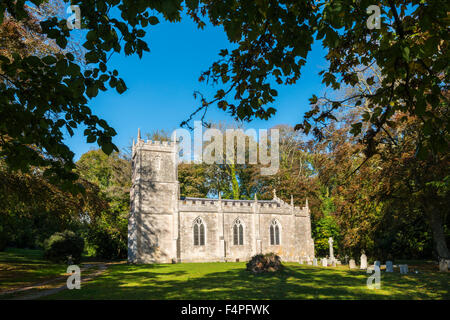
x=192 y=180
x=44 y=95
x=410 y=49
x=108 y=231
x=32 y=209
x=274 y=38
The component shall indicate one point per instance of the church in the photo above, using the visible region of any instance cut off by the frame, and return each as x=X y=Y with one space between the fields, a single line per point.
x=164 y=228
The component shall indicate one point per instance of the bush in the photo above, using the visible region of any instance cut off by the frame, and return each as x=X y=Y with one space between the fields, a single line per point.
x=268 y=262
x=64 y=247
x=109 y=243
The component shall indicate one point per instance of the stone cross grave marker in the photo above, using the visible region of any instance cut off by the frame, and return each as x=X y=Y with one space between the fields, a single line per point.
x=330 y=242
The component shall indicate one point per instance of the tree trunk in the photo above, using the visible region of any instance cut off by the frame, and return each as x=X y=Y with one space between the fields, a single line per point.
x=438 y=234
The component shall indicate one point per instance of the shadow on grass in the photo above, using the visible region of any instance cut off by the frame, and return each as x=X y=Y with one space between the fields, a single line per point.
x=231 y=281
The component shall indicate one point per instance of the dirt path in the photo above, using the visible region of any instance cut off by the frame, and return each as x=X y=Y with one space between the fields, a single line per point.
x=56 y=285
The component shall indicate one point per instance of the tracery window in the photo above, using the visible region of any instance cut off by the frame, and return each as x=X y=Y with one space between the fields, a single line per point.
x=274 y=233
x=238 y=233
x=199 y=232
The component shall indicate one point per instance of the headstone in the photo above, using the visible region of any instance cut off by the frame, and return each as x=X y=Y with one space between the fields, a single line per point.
x=315 y=262
x=363 y=261
x=324 y=262
x=301 y=261
x=403 y=268
x=338 y=262
x=330 y=242
x=377 y=263
x=443 y=266
x=352 y=264
x=333 y=263
x=389 y=266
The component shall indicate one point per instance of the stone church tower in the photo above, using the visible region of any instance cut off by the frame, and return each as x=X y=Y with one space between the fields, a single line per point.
x=153 y=223
x=163 y=228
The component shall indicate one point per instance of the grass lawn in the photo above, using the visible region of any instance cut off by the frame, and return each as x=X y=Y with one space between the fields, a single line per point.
x=19 y=268
x=24 y=267
x=231 y=281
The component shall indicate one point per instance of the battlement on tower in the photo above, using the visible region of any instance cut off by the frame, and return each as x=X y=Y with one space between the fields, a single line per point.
x=153 y=145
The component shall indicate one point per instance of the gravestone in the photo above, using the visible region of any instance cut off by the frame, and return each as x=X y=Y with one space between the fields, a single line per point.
x=389 y=266
x=324 y=262
x=377 y=263
x=363 y=261
x=301 y=261
x=333 y=263
x=443 y=266
x=403 y=268
x=352 y=264
x=330 y=242
x=346 y=259
x=315 y=262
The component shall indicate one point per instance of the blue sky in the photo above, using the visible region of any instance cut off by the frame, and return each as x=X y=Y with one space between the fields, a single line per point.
x=161 y=85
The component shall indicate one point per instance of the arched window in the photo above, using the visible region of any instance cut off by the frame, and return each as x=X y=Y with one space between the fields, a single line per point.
x=238 y=233
x=199 y=232
x=274 y=233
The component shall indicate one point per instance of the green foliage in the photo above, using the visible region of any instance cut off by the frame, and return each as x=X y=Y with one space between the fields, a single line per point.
x=109 y=238
x=64 y=247
x=32 y=209
x=410 y=49
x=42 y=97
x=107 y=233
x=192 y=180
x=323 y=229
x=326 y=226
